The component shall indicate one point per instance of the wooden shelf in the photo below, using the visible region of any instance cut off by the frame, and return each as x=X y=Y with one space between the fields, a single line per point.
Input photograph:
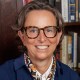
x=72 y=24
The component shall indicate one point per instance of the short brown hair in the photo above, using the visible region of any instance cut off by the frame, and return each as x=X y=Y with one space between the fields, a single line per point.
x=37 y=5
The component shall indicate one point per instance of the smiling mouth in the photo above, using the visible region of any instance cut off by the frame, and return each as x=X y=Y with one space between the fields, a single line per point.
x=42 y=47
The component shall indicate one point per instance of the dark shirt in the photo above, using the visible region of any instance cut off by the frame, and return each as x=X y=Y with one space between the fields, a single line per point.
x=16 y=70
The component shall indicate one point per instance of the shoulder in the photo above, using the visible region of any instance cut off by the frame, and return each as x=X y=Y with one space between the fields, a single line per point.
x=6 y=69
x=66 y=68
x=13 y=69
x=7 y=65
x=67 y=72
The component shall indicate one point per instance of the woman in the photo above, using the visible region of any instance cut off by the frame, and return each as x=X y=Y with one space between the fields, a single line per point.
x=40 y=28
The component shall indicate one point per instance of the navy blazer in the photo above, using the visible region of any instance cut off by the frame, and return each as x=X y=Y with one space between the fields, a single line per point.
x=16 y=70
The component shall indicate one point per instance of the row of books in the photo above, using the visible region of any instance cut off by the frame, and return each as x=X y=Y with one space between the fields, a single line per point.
x=69 y=53
x=71 y=10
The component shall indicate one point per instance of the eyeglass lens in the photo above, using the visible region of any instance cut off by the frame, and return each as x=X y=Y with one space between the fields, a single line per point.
x=33 y=32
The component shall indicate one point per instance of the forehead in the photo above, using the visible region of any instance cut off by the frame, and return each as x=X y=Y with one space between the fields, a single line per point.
x=40 y=12
x=40 y=17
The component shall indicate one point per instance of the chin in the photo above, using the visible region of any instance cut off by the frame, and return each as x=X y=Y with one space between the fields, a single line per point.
x=42 y=57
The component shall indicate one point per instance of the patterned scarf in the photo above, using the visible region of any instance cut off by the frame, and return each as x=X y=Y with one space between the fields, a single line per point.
x=33 y=69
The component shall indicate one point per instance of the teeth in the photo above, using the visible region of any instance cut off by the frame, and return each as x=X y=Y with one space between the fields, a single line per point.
x=42 y=47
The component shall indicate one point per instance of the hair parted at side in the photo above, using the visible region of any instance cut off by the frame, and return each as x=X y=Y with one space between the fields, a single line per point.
x=37 y=5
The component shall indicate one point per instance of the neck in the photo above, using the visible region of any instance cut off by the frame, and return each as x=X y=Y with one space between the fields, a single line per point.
x=43 y=65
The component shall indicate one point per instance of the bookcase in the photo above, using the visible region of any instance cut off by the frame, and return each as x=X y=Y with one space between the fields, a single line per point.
x=74 y=27
x=70 y=10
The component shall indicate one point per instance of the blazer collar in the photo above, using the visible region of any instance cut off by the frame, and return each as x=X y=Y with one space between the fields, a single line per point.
x=19 y=62
x=59 y=70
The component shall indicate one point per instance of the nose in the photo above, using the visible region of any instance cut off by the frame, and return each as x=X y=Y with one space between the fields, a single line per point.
x=42 y=37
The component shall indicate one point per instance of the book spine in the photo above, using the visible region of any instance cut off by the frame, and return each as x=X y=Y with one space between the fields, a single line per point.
x=72 y=10
x=52 y=3
x=78 y=51
x=79 y=10
x=77 y=4
x=64 y=51
x=64 y=6
x=74 y=50
x=58 y=5
x=69 y=50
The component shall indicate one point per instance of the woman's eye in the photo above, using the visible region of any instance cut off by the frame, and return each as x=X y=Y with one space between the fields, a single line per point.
x=33 y=30
x=49 y=30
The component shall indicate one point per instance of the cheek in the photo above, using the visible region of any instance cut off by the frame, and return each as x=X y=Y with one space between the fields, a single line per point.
x=28 y=42
x=53 y=45
x=53 y=41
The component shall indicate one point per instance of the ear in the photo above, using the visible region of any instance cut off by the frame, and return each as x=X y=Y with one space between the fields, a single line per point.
x=21 y=35
x=58 y=37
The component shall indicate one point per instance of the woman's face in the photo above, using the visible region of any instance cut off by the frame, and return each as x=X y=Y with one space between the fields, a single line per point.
x=40 y=48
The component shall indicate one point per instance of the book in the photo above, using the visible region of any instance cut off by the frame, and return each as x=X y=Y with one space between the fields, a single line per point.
x=58 y=5
x=64 y=54
x=64 y=7
x=69 y=50
x=74 y=49
x=52 y=3
x=79 y=10
x=77 y=4
x=78 y=51
x=72 y=10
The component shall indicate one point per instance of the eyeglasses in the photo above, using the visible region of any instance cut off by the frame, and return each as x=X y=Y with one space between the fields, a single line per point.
x=33 y=32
